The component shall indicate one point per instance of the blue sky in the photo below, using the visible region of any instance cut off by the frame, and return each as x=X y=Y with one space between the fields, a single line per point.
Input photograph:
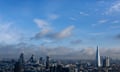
x=68 y=23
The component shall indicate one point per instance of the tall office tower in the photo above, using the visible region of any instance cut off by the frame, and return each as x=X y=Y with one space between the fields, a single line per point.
x=106 y=62
x=41 y=60
x=18 y=67
x=31 y=60
x=98 y=60
x=47 y=62
x=21 y=58
x=78 y=67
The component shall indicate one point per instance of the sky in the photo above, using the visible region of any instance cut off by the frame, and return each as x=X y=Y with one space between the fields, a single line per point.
x=60 y=27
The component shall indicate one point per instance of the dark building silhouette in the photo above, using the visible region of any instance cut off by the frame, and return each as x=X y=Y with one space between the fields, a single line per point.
x=32 y=59
x=18 y=67
x=41 y=60
x=21 y=58
x=47 y=62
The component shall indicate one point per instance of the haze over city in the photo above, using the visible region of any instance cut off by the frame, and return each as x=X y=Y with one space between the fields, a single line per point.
x=63 y=29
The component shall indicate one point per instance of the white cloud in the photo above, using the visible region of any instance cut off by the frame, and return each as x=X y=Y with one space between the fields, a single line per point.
x=115 y=7
x=102 y=21
x=55 y=35
x=116 y=21
x=47 y=32
x=41 y=23
x=65 y=33
x=89 y=51
x=53 y=16
x=72 y=18
x=44 y=26
x=9 y=34
x=84 y=14
x=93 y=25
x=42 y=33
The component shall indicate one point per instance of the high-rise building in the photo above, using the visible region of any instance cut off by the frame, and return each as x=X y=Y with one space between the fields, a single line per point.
x=21 y=58
x=106 y=62
x=98 y=60
x=18 y=67
x=41 y=60
x=47 y=62
x=32 y=59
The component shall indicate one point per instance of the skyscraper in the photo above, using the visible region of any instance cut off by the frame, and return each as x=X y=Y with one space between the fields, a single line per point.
x=47 y=62
x=106 y=62
x=21 y=58
x=32 y=59
x=98 y=60
x=18 y=67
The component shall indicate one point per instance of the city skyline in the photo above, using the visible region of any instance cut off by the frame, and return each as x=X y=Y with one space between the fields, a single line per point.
x=70 y=29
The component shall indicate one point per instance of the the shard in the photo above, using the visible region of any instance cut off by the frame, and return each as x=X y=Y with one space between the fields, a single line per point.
x=98 y=60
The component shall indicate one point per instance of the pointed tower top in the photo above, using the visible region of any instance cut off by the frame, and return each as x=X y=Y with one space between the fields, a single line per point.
x=97 y=49
x=97 y=46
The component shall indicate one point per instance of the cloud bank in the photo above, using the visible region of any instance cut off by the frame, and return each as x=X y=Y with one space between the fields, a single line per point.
x=58 y=52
